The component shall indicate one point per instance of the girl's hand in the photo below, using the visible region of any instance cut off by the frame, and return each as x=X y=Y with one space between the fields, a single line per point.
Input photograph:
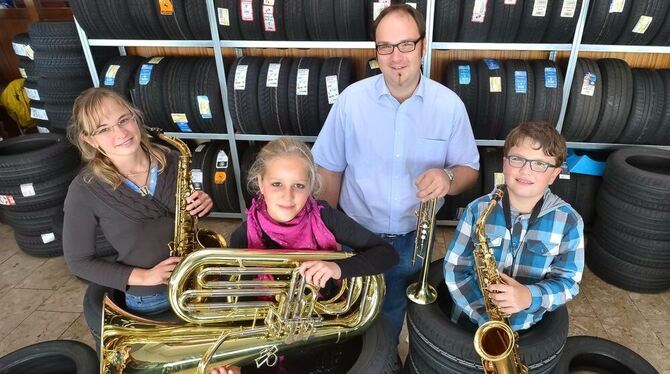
x=226 y=370
x=317 y=273
x=199 y=203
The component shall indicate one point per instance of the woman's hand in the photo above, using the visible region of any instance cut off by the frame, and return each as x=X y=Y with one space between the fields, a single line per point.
x=226 y=370
x=158 y=274
x=199 y=203
x=317 y=273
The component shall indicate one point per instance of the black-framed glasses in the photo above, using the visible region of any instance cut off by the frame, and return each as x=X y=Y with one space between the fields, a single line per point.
x=406 y=46
x=535 y=165
x=107 y=129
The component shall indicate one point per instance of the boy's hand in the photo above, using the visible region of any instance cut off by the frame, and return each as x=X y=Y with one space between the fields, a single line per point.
x=432 y=183
x=510 y=297
x=317 y=273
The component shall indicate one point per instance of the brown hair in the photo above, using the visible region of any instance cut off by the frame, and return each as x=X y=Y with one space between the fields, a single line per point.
x=283 y=147
x=544 y=135
x=404 y=8
x=87 y=111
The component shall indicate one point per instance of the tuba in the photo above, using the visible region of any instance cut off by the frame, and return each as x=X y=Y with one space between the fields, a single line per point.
x=422 y=292
x=495 y=341
x=214 y=292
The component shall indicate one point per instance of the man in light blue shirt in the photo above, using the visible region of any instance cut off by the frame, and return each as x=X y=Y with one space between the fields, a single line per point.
x=394 y=140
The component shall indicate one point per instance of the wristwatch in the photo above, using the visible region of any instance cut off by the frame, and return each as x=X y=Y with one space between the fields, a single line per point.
x=450 y=174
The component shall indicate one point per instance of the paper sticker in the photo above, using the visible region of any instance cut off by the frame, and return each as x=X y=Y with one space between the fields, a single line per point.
x=565 y=172
x=203 y=107
x=540 y=8
x=19 y=49
x=510 y=2
x=38 y=114
x=302 y=82
x=221 y=160
x=22 y=71
x=27 y=190
x=377 y=8
x=48 y=237
x=269 y=18
x=520 y=81
x=642 y=24
x=200 y=147
x=32 y=93
x=110 y=76
x=155 y=60
x=413 y=5
x=220 y=177
x=495 y=84
x=181 y=121
x=42 y=130
x=331 y=88
x=569 y=7
x=145 y=74
x=196 y=178
x=374 y=64
x=240 y=77
x=247 y=10
x=464 y=76
x=29 y=52
x=224 y=16
x=492 y=64
x=479 y=11
x=550 y=77
x=498 y=178
x=272 y=79
x=616 y=6
x=7 y=200
x=589 y=84
x=166 y=7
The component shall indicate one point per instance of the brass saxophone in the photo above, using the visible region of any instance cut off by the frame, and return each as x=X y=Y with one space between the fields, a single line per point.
x=495 y=341
x=422 y=292
x=224 y=323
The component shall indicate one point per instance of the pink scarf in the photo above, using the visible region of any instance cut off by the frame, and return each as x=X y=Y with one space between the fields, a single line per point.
x=304 y=231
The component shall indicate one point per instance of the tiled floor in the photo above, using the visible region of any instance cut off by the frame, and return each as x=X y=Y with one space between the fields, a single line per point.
x=40 y=300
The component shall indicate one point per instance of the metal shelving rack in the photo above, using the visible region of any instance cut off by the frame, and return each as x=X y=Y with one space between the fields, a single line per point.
x=216 y=44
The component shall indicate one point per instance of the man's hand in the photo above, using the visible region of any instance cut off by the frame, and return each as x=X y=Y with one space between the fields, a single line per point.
x=199 y=203
x=317 y=273
x=511 y=297
x=432 y=183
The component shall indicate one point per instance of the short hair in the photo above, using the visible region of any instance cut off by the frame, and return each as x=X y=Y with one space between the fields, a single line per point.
x=402 y=8
x=549 y=140
x=87 y=111
x=283 y=147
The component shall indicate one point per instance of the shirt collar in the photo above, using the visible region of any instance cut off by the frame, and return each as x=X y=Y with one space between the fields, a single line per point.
x=383 y=90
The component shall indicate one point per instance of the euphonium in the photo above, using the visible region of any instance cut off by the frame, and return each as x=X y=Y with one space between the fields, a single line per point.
x=215 y=293
x=495 y=342
x=421 y=292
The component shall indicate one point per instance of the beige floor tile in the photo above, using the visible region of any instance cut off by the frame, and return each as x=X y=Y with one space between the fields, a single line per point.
x=580 y=306
x=17 y=305
x=78 y=330
x=6 y=232
x=585 y=325
x=652 y=307
x=656 y=355
x=51 y=275
x=17 y=268
x=629 y=328
x=662 y=330
x=67 y=298
x=39 y=326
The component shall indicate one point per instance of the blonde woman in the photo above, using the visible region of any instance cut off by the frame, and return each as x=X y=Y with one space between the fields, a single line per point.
x=127 y=189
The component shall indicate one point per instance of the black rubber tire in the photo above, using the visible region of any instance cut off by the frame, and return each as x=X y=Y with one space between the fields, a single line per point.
x=118 y=20
x=278 y=30
x=320 y=19
x=35 y=158
x=51 y=357
x=603 y=27
x=615 y=211
x=475 y=31
x=144 y=14
x=506 y=21
x=229 y=28
x=532 y=27
x=462 y=78
x=662 y=37
x=662 y=135
x=46 y=194
x=647 y=108
x=602 y=356
x=294 y=19
x=59 y=116
x=122 y=74
x=372 y=68
x=518 y=104
x=548 y=93
x=177 y=97
x=616 y=101
x=204 y=87
x=21 y=45
x=350 y=20
x=562 y=29
x=33 y=222
x=304 y=108
x=455 y=205
x=38 y=245
x=175 y=25
x=343 y=69
x=59 y=91
x=274 y=99
x=491 y=105
x=252 y=29
x=148 y=92
x=244 y=103
x=198 y=20
x=633 y=249
x=54 y=36
x=447 y=20
x=87 y=14
x=657 y=9
x=492 y=164
x=582 y=112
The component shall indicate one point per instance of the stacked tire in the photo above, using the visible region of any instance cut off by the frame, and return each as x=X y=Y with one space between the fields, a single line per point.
x=630 y=245
x=26 y=55
x=35 y=172
x=212 y=171
x=641 y=22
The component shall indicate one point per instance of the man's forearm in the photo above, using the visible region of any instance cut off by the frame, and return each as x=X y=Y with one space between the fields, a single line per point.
x=331 y=183
x=464 y=178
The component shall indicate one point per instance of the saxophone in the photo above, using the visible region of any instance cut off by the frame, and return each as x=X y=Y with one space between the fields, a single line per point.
x=495 y=342
x=213 y=293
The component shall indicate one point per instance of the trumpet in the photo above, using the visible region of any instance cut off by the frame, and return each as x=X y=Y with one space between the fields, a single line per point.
x=422 y=292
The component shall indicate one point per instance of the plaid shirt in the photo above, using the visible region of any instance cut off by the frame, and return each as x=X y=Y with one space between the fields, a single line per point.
x=548 y=258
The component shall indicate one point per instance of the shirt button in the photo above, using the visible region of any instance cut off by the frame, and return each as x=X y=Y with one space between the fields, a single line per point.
x=397 y=156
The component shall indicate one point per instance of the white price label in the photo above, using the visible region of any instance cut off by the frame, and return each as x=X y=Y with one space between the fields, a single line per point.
x=269 y=18
x=331 y=89
x=302 y=82
x=479 y=11
x=179 y=117
x=540 y=8
x=42 y=130
x=642 y=24
x=196 y=176
x=32 y=93
x=29 y=52
x=27 y=190
x=22 y=71
x=495 y=84
x=616 y=6
x=377 y=8
x=240 y=77
x=222 y=160
x=413 y=5
x=589 y=84
x=569 y=7
x=510 y=2
x=203 y=106
x=38 y=114
x=48 y=237
x=273 y=75
x=20 y=49
x=200 y=147
x=247 y=10
x=110 y=76
x=155 y=60
x=224 y=16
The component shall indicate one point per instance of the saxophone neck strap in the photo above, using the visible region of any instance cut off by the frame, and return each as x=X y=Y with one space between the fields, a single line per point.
x=508 y=212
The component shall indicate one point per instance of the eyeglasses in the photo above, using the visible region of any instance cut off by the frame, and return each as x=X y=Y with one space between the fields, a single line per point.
x=404 y=47
x=535 y=165
x=107 y=129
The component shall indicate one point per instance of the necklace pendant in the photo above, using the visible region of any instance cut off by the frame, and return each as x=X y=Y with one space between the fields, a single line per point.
x=144 y=191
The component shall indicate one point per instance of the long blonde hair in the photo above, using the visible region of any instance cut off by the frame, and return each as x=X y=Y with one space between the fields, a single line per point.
x=283 y=147
x=87 y=112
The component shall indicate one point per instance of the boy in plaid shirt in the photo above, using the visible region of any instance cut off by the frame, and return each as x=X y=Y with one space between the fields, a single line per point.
x=537 y=239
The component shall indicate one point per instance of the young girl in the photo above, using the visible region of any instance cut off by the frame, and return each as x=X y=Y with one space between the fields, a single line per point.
x=285 y=215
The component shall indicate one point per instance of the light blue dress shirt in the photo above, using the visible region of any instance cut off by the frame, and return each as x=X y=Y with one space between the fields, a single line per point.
x=382 y=146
